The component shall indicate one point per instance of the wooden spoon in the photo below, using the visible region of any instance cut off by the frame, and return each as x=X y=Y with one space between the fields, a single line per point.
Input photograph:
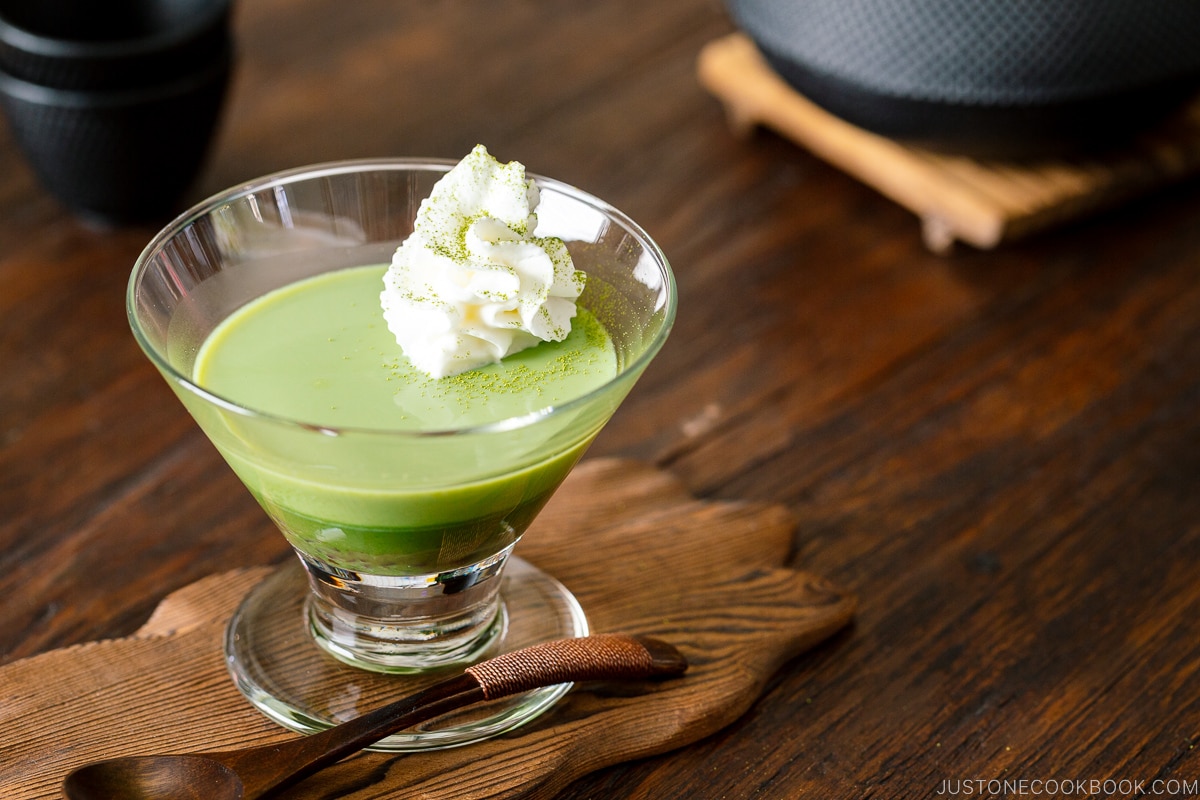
x=258 y=772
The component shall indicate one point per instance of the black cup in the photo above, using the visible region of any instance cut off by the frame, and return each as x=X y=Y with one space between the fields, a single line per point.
x=114 y=104
x=104 y=46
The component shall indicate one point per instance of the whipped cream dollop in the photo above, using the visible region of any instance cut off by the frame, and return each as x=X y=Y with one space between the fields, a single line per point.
x=472 y=284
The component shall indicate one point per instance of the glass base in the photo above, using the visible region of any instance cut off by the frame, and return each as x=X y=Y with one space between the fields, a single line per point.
x=410 y=623
x=277 y=665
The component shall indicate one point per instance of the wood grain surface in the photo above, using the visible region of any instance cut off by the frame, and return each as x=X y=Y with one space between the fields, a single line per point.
x=997 y=451
x=710 y=581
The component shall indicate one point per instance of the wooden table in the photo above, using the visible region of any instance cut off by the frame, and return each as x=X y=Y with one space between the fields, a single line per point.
x=999 y=452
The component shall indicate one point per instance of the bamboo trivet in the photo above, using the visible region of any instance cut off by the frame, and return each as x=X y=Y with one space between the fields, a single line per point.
x=956 y=198
x=639 y=553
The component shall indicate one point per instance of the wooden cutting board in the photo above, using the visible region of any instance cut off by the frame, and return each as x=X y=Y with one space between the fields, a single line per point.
x=640 y=554
x=956 y=198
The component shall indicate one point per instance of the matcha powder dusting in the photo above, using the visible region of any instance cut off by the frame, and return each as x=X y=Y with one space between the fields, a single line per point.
x=472 y=285
x=544 y=376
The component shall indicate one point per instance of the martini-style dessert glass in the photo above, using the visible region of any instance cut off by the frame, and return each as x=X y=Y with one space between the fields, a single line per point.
x=403 y=493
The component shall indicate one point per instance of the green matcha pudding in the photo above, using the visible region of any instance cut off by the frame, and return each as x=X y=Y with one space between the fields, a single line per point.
x=317 y=352
x=401 y=359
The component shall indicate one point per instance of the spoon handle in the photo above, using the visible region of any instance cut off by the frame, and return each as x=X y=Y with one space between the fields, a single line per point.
x=597 y=657
x=600 y=657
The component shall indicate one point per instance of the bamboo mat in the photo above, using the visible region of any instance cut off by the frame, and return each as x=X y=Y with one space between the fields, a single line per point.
x=956 y=198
